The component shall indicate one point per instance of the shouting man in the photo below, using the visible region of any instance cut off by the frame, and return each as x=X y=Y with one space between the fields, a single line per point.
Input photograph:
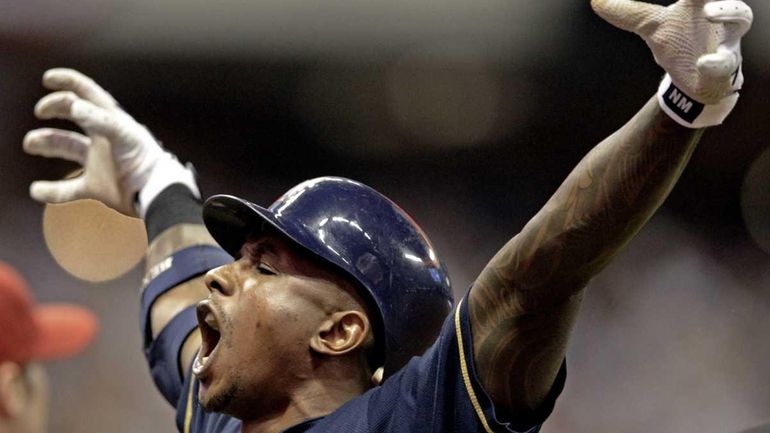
x=336 y=315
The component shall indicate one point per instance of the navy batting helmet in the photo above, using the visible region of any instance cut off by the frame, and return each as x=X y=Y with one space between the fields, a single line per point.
x=368 y=237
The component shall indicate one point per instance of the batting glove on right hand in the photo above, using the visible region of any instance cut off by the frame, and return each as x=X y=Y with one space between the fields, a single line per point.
x=119 y=156
x=698 y=44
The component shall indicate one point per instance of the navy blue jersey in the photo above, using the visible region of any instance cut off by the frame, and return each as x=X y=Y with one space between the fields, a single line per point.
x=438 y=392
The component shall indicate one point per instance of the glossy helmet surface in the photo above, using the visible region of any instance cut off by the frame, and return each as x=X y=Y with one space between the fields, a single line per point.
x=368 y=237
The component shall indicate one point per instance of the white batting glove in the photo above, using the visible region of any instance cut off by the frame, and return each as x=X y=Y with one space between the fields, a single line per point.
x=698 y=44
x=120 y=157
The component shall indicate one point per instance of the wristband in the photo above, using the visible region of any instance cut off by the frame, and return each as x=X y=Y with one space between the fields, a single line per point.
x=690 y=113
x=174 y=205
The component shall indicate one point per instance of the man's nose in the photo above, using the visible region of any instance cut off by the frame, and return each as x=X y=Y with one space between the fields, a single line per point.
x=218 y=280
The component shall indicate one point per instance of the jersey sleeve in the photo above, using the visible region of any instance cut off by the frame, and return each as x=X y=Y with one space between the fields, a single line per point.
x=487 y=415
x=439 y=392
x=162 y=353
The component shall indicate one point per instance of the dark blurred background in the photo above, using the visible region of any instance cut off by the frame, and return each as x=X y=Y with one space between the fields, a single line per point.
x=469 y=115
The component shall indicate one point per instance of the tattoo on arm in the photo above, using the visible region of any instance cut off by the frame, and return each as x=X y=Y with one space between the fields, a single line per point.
x=524 y=303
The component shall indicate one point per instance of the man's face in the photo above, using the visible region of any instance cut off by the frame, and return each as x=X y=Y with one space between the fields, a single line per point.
x=256 y=326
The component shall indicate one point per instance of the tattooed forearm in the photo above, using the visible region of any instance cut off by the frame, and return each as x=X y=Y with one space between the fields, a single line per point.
x=524 y=302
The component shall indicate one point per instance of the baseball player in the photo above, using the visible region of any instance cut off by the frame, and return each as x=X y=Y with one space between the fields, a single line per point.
x=31 y=334
x=316 y=324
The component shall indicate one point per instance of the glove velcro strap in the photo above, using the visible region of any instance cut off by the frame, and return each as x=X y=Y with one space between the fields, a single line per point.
x=166 y=171
x=690 y=113
x=174 y=270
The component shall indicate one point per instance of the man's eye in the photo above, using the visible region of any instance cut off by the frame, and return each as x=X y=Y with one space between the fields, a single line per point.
x=266 y=270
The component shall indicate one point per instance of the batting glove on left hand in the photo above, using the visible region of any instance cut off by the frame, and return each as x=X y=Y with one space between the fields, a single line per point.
x=698 y=44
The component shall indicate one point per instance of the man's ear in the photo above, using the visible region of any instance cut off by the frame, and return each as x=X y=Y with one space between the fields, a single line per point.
x=13 y=390
x=342 y=332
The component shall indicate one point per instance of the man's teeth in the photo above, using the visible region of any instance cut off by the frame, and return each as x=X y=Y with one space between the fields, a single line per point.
x=211 y=321
x=200 y=364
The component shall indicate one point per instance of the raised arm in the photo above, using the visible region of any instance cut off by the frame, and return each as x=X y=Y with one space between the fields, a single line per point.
x=127 y=169
x=525 y=301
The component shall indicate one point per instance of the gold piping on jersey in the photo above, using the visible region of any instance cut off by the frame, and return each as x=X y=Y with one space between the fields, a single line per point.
x=466 y=375
x=188 y=409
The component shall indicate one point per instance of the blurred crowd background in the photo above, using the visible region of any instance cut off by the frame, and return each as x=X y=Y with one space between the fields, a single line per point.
x=468 y=114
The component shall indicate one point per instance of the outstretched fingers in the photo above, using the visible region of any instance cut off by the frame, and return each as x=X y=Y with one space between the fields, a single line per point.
x=83 y=86
x=57 y=143
x=634 y=16
x=69 y=106
x=59 y=191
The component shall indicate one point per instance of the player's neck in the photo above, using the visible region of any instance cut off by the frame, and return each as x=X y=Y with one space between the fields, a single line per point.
x=313 y=399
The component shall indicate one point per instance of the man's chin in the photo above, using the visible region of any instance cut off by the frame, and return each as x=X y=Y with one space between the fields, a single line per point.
x=213 y=401
x=209 y=405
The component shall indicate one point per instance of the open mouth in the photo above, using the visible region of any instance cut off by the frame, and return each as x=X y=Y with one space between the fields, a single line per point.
x=210 y=335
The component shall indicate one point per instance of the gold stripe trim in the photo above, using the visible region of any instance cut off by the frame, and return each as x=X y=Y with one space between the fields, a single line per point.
x=466 y=375
x=188 y=409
